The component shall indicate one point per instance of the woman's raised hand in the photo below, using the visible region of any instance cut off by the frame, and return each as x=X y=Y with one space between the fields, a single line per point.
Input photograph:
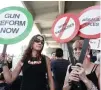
x=80 y=71
x=3 y=57
x=73 y=76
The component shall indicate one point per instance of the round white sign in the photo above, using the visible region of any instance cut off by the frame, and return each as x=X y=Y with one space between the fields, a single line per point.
x=90 y=22
x=65 y=28
x=12 y=24
x=15 y=24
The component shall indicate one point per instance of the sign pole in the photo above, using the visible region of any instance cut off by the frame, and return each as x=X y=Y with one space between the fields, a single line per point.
x=4 y=50
x=83 y=52
x=70 y=54
x=3 y=53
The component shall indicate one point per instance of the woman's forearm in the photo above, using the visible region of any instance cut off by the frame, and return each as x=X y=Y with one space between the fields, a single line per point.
x=11 y=76
x=52 y=85
x=89 y=84
x=67 y=86
x=7 y=74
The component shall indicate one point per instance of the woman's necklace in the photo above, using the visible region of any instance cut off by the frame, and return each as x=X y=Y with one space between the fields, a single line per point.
x=34 y=61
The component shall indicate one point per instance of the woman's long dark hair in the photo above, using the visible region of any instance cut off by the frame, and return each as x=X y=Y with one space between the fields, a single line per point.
x=28 y=52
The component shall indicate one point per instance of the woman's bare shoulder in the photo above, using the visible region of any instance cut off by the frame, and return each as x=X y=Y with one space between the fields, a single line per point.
x=98 y=70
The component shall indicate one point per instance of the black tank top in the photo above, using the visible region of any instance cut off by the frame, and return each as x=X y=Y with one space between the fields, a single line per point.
x=34 y=76
x=92 y=76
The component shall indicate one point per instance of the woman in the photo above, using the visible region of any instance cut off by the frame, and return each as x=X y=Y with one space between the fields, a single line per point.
x=87 y=74
x=34 y=66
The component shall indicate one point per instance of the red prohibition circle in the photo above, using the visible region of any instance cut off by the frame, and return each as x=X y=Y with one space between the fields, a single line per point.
x=81 y=34
x=69 y=15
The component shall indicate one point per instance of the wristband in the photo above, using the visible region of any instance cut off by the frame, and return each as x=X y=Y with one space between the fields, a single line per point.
x=4 y=64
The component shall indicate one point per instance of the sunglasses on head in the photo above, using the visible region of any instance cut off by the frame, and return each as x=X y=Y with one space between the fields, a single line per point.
x=38 y=40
